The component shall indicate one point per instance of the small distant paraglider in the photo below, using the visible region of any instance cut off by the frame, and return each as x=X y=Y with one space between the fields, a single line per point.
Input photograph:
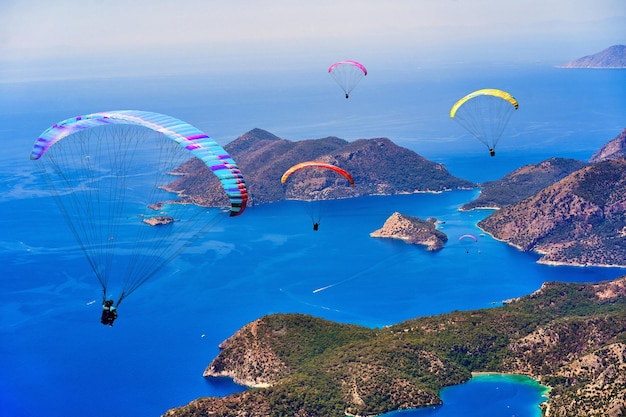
x=485 y=113
x=316 y=214
x=347 y=74
x=467 y=240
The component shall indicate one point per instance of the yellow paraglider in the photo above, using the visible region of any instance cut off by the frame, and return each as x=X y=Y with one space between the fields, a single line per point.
x=485 y=113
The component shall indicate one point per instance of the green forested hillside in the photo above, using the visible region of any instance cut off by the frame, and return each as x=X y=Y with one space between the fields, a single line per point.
x=569 y=336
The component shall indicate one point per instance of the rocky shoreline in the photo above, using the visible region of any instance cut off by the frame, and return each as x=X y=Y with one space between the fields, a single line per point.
x=412 y=230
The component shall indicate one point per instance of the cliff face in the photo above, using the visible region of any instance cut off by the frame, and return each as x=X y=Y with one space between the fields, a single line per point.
x=523 y=182
x=578 y=220
x=412 y=230
x=614 y=149
x=569 y=336
x=249 y=363
x=612 y=57
x=378 y=166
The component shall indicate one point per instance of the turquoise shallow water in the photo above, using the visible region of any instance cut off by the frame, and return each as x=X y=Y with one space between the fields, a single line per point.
x=492 y=395
x=57 y=360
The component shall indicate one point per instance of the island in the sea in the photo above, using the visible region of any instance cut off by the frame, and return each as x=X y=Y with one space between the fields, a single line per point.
x=158 y=220
x=412 y=230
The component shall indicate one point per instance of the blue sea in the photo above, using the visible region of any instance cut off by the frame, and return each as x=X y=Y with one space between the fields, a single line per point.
x=57 y=360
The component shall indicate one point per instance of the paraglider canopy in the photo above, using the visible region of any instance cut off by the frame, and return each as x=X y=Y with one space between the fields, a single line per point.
x=485 y=113
x=192 y=139
x=315 y=209
x=347 y=74
x=467 y=240
x=110 y=175
x=316 y=164
x=468 y=237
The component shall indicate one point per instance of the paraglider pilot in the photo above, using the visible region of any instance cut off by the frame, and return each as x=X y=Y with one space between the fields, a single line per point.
x=492 y=152
x=108 y=313
x=316 y=226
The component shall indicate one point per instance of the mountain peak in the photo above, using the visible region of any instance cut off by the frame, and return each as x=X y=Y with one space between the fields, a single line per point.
x=259 y=134
x=611 y=57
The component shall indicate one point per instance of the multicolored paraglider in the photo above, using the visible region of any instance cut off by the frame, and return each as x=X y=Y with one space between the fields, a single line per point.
x=111 y=174
x=315 y=212
x=315 y=164
x=347 y=74
x=468 y=237
x=485 y=113
x=467 y=240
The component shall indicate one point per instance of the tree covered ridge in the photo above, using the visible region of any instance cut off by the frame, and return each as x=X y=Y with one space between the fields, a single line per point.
x=569 y=336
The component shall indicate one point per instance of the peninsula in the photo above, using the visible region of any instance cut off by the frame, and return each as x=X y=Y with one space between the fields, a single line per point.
x=569 y=336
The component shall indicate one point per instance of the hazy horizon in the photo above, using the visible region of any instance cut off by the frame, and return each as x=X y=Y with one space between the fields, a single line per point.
x=52 y=40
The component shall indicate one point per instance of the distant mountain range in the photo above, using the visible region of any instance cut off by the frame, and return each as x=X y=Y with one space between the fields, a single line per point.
x=612 y=57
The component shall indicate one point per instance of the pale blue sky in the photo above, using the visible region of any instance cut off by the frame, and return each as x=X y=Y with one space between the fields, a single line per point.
x=138 y=33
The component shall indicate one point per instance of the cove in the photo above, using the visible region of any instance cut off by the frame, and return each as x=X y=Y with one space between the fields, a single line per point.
x=486 y=394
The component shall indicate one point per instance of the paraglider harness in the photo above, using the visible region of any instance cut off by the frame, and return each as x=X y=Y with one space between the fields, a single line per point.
x=109 y=313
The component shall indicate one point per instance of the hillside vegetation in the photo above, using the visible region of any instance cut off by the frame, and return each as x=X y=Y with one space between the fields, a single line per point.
x=571 y=337
x=523 y=182
x=580 y=219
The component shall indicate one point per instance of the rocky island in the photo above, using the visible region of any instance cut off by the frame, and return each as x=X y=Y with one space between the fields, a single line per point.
x=159 y=220
x=412 y=230
x=569 y=336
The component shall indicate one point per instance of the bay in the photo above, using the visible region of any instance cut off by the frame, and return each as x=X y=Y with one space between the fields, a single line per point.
x=495 y=395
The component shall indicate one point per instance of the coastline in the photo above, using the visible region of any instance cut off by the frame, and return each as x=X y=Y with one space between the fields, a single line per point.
x=542 y=261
